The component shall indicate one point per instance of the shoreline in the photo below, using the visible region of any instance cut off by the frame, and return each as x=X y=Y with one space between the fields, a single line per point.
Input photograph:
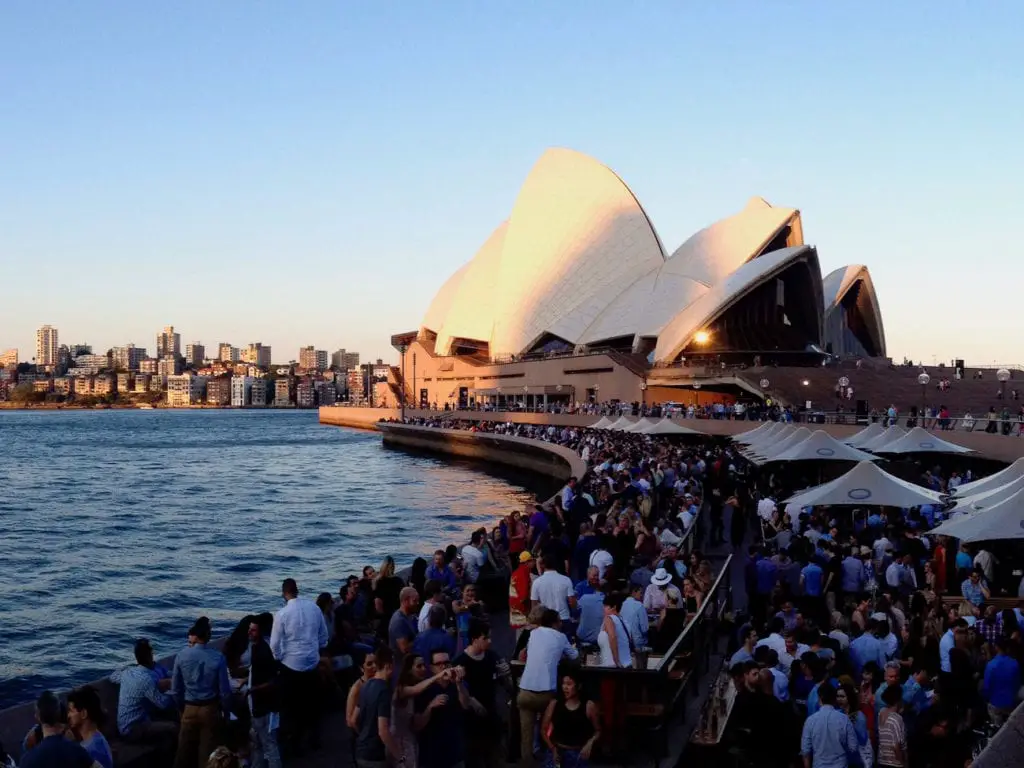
x=5 y=406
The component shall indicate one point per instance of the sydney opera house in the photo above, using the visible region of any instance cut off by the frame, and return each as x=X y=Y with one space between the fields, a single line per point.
x=574 y=296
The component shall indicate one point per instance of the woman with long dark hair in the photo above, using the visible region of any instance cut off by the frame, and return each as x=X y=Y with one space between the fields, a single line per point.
x=571 y=725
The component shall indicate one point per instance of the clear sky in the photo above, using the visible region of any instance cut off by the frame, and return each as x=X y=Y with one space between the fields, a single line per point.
x=310 y=172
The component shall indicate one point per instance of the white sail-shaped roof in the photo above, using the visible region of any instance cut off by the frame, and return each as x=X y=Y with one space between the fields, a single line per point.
x=717 y=251
x=821 y=446
x=442 y=302
x=466 y=319
x=839 y=282
x=919 y=440
x=576 y=236
x=700 y=313
x=866 y=485
x=1001 y=477
x=866 y=435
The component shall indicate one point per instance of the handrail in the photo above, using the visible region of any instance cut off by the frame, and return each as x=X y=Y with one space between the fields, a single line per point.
x=709 y=599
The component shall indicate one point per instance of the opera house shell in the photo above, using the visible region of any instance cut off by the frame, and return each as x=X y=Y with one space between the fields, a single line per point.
x=578 y=265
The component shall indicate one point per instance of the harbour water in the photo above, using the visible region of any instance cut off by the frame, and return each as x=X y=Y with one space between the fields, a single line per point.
x=121 y=524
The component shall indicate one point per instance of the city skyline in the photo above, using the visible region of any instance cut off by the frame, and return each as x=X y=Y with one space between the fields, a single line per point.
x=366 y=155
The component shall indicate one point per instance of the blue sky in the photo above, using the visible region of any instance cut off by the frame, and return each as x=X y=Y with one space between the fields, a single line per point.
x=311 y=172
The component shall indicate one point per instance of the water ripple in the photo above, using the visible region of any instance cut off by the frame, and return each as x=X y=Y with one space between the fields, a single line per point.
x=123 y=524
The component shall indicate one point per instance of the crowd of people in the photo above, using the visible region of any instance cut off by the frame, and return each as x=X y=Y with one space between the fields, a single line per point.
x=603 y=569
x=852 y=657
x=847 y=655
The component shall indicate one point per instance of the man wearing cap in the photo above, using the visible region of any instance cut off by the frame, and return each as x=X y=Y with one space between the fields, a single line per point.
x=519 y=591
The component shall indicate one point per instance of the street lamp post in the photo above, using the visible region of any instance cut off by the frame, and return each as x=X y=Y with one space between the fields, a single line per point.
x=415 y=396
x=696 y=392
x=923 y=380
x=1003 y=376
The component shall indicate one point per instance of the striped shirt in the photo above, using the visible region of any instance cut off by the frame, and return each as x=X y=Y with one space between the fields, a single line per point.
x=891 y=734
x=138 y=696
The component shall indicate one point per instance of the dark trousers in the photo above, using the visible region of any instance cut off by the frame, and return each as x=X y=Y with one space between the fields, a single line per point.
x=300 y=713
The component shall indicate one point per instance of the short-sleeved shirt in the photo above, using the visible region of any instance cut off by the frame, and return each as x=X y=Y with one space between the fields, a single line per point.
x=57 y=751
x=441 y=740
x=401 y=626
x=374 y=703
x=553 y=590
x=99 y=750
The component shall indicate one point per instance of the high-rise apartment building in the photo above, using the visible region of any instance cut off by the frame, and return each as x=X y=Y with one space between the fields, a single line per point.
x=168 y=343
x=343 y=360
x=258 y=393
x=185 y=389
x=195 y=354
x=313 y=359
x=80 y=349
x=46 y=346
x=258 y=355
x=127 y=358
x=241 y=391
x=283 y=389
x=169 y=366
x=227 y=354
x=218 y=391
x=9 y=358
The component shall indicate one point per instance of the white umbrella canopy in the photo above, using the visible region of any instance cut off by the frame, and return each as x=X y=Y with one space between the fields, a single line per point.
x=919 y=440
x=768 y=452
x=821 y=446
x=669 y=427
x=891 y=434
x=1002 y=477
x=863 y=486
x=769 y=437
x=751 y=434
x=603 y=423
x=639 y=426
x=621 y=423
x=990 y=497
x=866 y=435
x=1003 y=521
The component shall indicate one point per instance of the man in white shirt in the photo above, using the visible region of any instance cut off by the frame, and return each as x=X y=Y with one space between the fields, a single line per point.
x=433 y=595
x=601 y=559
x=553 y=590
x=546 y=647
x=473 y=557
x=987 y=562
x=299 y=634
x=765 y=509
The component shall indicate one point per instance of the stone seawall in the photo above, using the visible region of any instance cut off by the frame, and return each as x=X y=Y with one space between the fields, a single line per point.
x=544 y=458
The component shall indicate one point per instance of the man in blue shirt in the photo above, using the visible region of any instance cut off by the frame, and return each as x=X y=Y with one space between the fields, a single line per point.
x=766 y=574
x=439 y=571
x=853 y=577
x=591 y=616
x=634 y=616
x=974 y=590
x=1001 y=684
x=866 y=648
x=828 y=739
x=812 y=583
x=55 y=749
x=201 y=687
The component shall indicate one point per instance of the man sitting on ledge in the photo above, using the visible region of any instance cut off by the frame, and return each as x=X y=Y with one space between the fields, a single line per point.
x=140 y=696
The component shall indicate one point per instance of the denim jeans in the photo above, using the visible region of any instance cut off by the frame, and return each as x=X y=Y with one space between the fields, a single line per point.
x=263 y=742
x=568 y=758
